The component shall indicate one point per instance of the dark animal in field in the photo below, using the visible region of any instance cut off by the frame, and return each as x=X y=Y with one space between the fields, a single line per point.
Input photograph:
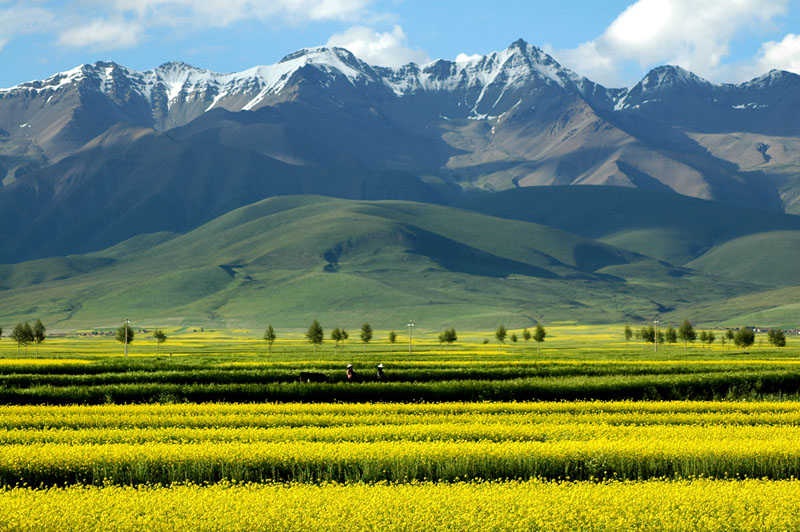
x=309 y=376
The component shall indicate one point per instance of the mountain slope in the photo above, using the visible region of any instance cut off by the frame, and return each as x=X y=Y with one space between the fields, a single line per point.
x=98 y=154
x=667 y=226
x=294 y=258
x=769 y=258
x=133 y=180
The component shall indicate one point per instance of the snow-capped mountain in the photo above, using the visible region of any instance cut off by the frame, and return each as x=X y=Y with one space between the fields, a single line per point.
x=177 y=92
x=323 y=121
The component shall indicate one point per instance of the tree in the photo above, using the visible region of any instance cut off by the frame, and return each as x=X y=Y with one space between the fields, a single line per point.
x=526 y=335
x=448 y=336
x=686 y=333
x=628 y=334
x=710 y=337
x=729 y=335
x=538 y=336
x=125 y=336
x=270 y=337
x=777 y=337
x=23 y=335
x=744 y=337
x=336 y=336
x=703 y=337
x=500 y=334
x=648 y=334
x=392 y=337
x=366 y=335
x=514 y=338
x=315 y=335
x=160 y=338
x=671 y=335
x=39 y=333
x=345 y=336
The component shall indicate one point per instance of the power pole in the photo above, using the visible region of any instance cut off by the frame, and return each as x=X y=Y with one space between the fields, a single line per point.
x=410 y=324
x=127 y=321
x=655 y=333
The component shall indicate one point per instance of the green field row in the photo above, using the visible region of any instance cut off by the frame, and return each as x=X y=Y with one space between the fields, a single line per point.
x=697 y=386
x=398 y=443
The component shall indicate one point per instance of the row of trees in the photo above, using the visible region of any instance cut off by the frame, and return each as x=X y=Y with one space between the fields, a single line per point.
x=316 y=335
x=744 y=337
x=125 y=335
x=538 y=335
x=25 y=334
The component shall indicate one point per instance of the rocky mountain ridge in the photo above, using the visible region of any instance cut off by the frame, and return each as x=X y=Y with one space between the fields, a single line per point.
x=321 y=121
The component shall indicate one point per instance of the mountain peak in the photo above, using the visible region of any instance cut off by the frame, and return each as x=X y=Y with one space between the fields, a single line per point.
x=176 y=65
x=520 y=44
x=671 y=76
x=321 y=54
x=774 y=78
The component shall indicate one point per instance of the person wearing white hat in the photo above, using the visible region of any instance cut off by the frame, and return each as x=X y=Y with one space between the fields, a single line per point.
x=351 y=375
x=381 y=376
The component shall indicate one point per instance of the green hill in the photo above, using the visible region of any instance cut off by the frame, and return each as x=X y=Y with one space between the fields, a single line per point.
x=288 y=260
x=771 y=258
x=663 y=225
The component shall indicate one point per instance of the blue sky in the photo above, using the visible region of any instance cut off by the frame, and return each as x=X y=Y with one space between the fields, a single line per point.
x=613 y=42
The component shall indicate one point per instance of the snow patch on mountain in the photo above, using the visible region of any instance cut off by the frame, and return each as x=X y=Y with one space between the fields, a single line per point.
x=512 y=68
x=488 y=84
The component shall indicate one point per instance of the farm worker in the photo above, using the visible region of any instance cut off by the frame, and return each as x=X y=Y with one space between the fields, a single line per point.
x=351 y=375
x=381 y=376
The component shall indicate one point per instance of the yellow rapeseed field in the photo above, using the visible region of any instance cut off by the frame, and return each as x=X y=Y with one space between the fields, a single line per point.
x=688 y=505
x=135 y=444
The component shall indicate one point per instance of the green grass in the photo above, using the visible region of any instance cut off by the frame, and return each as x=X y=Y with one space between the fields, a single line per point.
x=292 y=259
x=670 y=227
x=769 y=258
x=574 y=362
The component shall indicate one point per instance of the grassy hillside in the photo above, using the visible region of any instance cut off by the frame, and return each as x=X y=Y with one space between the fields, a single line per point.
x=771 y=258
x=662 y=225
x=773 y=308
x=291 y=259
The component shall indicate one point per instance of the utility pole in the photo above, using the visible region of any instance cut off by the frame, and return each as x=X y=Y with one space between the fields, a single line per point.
x=127 y=321
x=409 y=325
x=655 y=333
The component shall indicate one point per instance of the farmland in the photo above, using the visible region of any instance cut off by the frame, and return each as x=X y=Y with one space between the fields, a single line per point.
x=163 y=444
x=584 y=432
x=574 y=363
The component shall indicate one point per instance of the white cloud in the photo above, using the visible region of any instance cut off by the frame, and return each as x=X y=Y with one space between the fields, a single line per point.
x=694 y=35
x=386 y=49
x=18 y=19
x=220 y=13
x=102 y=34
x=783 y=55
x=463 y=58
x=114 y=24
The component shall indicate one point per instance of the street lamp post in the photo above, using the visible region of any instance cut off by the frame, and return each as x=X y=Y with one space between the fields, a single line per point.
x=410 y=324
x=125 y=330
x=655 y=335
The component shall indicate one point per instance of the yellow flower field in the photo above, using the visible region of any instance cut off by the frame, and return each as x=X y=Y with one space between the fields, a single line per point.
x=688 y=505
x=127 y=444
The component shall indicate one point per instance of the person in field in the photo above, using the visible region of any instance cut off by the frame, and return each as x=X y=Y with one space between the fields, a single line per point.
x=351 y=375
x=381 y=375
